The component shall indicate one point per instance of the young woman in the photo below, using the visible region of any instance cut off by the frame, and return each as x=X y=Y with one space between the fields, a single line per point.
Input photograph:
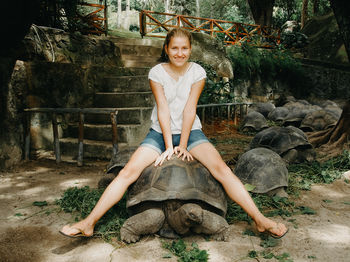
x=176 y=129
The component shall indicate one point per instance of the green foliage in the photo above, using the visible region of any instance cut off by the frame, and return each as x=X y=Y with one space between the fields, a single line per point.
x=40 y=203
x=184 y=254
x=270 y=206
x=303 y=175
x=216 y=91
x=81 y=201
x=267 y=65
x=285 y=257
x=231 y=10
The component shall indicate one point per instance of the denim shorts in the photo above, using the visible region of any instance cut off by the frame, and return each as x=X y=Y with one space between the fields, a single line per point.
x=155 y=140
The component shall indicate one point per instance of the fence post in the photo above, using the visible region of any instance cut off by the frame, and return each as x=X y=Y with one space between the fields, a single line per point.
x=55 y=138
x=80 y=139
x=28 y=119
x=114 y=134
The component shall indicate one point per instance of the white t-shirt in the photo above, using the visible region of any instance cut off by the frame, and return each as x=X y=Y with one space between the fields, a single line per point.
x=176 y=93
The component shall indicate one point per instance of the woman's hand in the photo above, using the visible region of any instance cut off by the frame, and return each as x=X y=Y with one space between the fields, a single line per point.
x=182 y=152
x=165 y=155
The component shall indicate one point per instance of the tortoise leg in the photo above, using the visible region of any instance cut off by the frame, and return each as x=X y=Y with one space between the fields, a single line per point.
x=213 y=225
x=146 y=222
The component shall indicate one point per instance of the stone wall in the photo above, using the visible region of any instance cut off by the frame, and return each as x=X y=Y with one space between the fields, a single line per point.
x=322 y=81
x=328 y=81
x=13 y=95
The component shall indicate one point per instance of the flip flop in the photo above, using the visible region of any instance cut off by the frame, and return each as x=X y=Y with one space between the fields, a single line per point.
x=277 y=236
x=80 y=234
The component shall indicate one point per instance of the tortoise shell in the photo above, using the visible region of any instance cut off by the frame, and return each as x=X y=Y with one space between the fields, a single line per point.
x=278 y=114
x=254 y=121
x=178 y=179
x=262 y=168
x=280 y=139
x=318 y=120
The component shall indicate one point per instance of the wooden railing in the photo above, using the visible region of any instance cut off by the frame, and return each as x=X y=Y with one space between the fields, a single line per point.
x=96 y=23
x=156 y=24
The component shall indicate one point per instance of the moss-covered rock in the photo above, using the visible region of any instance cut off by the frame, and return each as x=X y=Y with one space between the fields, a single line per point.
x=210 y=51
x=55 y=45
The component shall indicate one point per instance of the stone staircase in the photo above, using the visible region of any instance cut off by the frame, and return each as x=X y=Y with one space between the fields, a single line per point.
x=125 y=89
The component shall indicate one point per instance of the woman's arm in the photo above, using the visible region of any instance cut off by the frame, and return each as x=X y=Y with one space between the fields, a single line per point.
x=164 y=120
x=189 y=115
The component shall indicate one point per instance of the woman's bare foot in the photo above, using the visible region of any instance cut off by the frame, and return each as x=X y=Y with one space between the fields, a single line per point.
x=81 y=228
x=276 y=230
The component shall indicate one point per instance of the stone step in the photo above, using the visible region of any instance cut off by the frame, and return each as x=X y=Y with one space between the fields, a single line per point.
x=106 y=70
x=129 y=99
x=141 y=59
x=125 y=84
x=94 y=149
x=133 y=63
x=130 y=134
x=137 y=41
x=139 y=50
x=125 y=116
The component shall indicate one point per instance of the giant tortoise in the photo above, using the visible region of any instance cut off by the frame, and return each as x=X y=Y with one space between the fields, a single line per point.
x=175 y=199
x=253 y=122
x=278 y=114
x=265 y=170
x=262 y=108
x=289 y=142
x=318 y=120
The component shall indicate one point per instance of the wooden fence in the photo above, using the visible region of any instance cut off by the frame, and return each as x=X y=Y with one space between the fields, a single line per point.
x=95 y=21
x=156 y=24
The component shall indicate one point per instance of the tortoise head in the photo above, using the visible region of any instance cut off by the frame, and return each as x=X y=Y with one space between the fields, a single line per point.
x=191 y=214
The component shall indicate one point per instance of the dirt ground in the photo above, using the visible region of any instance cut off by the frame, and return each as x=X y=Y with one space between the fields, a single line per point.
x=30 y=233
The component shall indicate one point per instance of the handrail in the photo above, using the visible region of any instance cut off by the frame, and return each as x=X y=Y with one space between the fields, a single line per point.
x=97 y=24
x=233 y=32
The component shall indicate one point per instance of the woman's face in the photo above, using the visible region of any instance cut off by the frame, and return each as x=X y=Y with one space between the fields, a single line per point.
x=178 y=50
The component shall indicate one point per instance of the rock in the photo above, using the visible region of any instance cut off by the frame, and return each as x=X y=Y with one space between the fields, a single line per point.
x=55 y=45
x=210 y=51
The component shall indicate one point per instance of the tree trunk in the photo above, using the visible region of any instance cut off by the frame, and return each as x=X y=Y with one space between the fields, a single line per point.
x=166 y=6
x=315 y=7
x=342 y=15
x=126 y=23
x=262 y=11
x=119 y=13
x=304 y=13
x=198 y=13
x=332 y=140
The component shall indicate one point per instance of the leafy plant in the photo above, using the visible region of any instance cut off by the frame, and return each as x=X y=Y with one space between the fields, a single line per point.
x=303 y=175
x=270 y=206
x=216 y=91
x=285 y=257
x=179 y=249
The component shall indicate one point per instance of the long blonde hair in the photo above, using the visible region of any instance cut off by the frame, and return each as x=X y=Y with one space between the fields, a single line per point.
x=172 y=33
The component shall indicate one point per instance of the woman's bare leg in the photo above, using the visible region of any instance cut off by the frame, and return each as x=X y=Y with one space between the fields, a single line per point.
x=141 y=158
x=211 y=159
